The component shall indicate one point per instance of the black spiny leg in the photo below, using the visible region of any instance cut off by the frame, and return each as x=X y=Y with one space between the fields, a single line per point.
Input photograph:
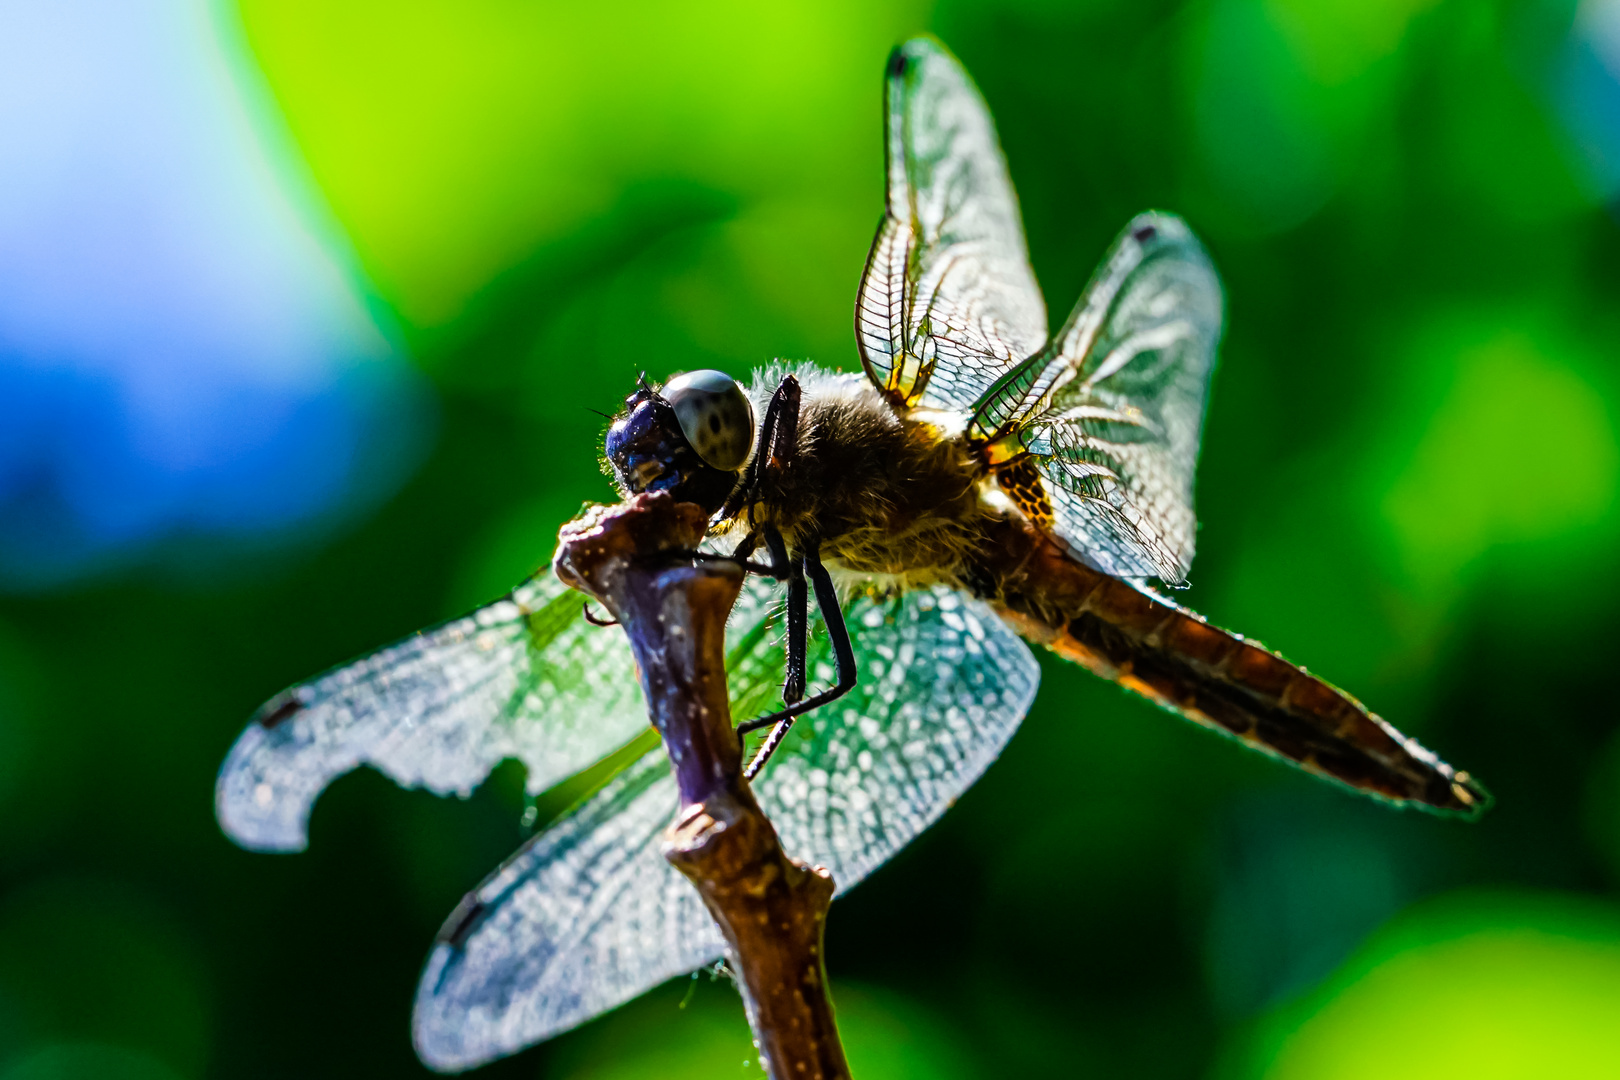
x=778 y=441
x=843 y=660
x=798 y=618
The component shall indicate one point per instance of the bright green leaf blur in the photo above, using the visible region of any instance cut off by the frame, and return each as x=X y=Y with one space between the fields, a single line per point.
x=1488 y=987
x=453 y=139
x=1339 y=40
x=1409 y=482
x=1519 y=448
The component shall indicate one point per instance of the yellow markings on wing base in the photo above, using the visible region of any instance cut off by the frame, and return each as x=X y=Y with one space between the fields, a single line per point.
x=998 y=452
x=906 y=380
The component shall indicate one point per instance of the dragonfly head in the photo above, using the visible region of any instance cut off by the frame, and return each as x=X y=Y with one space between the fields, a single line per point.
x=690 y=437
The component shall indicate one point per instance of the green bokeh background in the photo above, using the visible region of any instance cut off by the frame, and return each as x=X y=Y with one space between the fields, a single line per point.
x=1410 y=482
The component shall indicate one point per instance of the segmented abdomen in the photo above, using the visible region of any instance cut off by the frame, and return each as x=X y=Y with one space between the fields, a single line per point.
x=1175 y=658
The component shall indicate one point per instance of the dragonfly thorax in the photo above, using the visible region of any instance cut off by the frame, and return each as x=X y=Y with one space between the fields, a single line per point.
x=882 y=496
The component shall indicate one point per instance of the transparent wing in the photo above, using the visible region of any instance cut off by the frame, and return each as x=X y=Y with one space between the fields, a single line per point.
x=948 y=302
x=525 y=677
x=588 y=914
x=944 y=683
x=1113 y=409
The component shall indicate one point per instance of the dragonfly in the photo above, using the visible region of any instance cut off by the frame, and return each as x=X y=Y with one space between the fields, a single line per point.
x=980 y=485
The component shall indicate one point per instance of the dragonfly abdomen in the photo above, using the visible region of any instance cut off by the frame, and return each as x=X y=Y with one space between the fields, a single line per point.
x=1178 y=660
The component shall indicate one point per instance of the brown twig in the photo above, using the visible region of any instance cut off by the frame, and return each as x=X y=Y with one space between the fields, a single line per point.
x=771 y=909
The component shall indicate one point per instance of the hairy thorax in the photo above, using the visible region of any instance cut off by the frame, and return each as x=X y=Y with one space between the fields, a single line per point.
x=898 y=501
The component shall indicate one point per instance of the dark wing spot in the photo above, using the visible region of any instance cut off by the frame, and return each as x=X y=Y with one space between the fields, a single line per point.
x=1145 y=233
x=279 y=709
x=462 y=921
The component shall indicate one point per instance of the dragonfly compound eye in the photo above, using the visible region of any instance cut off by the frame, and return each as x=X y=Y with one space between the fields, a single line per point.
x=715 y=416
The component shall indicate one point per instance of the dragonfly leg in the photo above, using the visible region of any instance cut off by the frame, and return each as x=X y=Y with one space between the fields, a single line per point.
x=783 y=567
x=798 y=617
x=780 y=568
x=843 y=660
x=762 y=569
x=778 y=442
x=745 y=547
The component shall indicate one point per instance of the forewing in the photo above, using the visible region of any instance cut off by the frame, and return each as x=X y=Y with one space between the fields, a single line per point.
x=589 y=914
x=1114 y=408
x=586 y=916
x=948 y=302
x=526 y=677
x=944 y=683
